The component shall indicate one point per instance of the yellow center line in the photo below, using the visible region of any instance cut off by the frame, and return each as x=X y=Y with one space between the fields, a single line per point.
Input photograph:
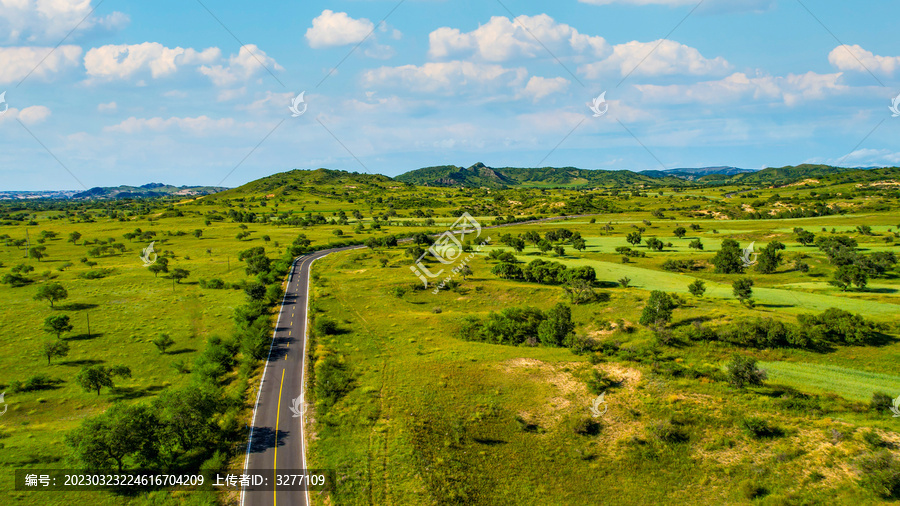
x=275 y=463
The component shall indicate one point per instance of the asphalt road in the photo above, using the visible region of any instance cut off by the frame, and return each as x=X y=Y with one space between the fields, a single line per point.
x=276 y=436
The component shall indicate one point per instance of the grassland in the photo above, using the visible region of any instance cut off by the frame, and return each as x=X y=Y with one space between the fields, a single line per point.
x=432 y=419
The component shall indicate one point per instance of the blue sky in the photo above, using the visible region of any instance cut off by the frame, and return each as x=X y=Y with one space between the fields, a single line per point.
x=198 y=93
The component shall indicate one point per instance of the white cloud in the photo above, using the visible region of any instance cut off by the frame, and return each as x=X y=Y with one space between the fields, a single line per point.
x=861 y=60
x=34 y=114
x=869 y=157
x=539 y=87
x=51 y=20
x=249 y=61
x=270 y=102
x=669 y=58
x=790 y=89
x=445 y=77
x=199 y=125
x=17 y=62
x=124 y=61
x=502 y=39
x=29 y=115
x=332 y=29
x=112 y=106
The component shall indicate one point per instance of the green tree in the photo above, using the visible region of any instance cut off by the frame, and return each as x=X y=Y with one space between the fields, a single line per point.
x=742 y=372
x=159 y=267
x=696 y=244
x=94 y=377
x=769 y=258
x=559 y=250
x=51 y=292
x=805 y=237
x=37 y=252
x=57 y=324
x=188 y=419
x=198 y=233
x=655 y=244
x=633 y=238
x=163 y=343
x=55 y=348
x=680 y=232
x=123 y=433
x=74 y=236
x=465 y=271
x=742 y=288
x=557 y=327
x=697 y=288
x=658 y=310
x=847 y=275
x=544 y=245
x=728 y=259
x=178 y=274
x=579 y=244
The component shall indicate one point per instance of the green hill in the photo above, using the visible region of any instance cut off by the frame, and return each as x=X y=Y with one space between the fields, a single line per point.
x=480 y=175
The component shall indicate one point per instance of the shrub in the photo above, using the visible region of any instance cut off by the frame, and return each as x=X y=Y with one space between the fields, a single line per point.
x=880 y=402
x=600 y=382
x=587 y=427
x=34 y=383
x=881 y=474
x=670 y=432
x=760 y=429
x=325 y=326
x=742 y=371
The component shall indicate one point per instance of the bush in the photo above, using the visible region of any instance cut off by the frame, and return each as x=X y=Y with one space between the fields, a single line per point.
x=742 y=371
x=34 y=383
x=601 y=382
x=760 y=429
x=670 y=432
x=880 y=402
x=587 y=427
x=325 y=327
x=881 y=474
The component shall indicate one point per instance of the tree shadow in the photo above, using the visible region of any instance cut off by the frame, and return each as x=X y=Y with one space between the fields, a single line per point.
x=123 y=393
x=81 y=362
x=488 y=441
x=881 y=290
x=265 y=438
x=180 y=351
x=75 y=306
x=606 y=284
x=84 y=337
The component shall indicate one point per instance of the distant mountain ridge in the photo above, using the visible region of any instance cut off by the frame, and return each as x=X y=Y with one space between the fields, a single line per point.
x=148 y=190
x=480 y=175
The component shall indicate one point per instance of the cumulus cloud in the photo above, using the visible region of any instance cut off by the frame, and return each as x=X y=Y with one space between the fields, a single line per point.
x=249 y=62
x=17 y=62
x=669 y=58
x=502 y=39
x=29 y=115
x=790 y=89
x=125 y=61
x=445 y=77
x=51 y=20
x=539 y=87
x=332 y=29
x=112 y=106
x=855 y=58
x=198 y=126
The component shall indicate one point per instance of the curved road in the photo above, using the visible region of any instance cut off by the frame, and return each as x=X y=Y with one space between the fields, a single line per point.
x=276 y=439
x=276 y=436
